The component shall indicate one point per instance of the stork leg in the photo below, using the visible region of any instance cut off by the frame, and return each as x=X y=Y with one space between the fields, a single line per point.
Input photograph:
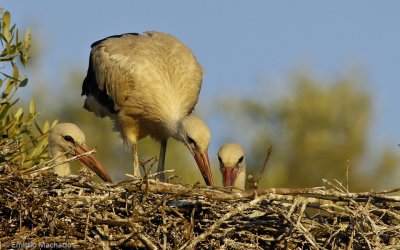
x=136 y=170
x=161 y=161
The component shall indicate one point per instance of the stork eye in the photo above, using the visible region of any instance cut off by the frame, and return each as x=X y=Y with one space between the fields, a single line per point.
x=219 y=158
x=240 y=159
x=191 y=141
x=69 y=139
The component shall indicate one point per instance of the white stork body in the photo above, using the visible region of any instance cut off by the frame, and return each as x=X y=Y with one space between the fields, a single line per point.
x=232 y=162
x=67 y=138
x=148 y=84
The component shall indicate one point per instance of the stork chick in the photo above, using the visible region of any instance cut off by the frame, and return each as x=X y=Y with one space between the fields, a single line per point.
x=67 y=139
x=232 y=163
x=148 y=84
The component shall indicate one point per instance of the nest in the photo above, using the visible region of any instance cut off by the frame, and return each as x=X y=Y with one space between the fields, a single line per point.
x=42 y=210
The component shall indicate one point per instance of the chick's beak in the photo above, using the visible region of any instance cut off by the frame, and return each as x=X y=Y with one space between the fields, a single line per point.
x=91 y=162
x=229 y=177
x=203 y=163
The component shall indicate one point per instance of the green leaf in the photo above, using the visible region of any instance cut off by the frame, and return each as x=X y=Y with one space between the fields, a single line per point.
x=8 y=76
x=24 y=82
x=15 y=71
x=38 y=127
x=46 y=127
x=5 y=24
x=54 y=124
x=27 y=39
x=16 y=35
x=5 y=20
x=34 y=152
x=18 y=114
x=8 y=89
x=8 y=47
x=5 y=110
x=32 y=107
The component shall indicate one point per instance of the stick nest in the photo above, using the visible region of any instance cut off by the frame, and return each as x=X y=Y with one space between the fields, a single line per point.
x=42 y=208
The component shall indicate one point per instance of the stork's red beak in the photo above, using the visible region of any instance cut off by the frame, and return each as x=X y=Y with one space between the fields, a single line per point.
x=203 y=163
x=229 y=177
x=91 y=162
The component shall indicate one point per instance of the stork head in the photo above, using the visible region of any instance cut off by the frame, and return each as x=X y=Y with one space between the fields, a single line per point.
x=232 y=163
x=194 y=133
x=67 y=138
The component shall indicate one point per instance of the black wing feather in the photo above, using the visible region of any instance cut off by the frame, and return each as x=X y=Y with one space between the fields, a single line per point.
x=91 y=87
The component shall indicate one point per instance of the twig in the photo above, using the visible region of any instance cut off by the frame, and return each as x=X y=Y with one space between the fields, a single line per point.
x=50 y=164
x=146 y=241
x=87 y=222
x=301 y=229
x=151 y=175
x=225 y=217
x=264 y=166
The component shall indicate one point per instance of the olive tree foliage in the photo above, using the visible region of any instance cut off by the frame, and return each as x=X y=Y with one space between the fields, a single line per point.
x=23 y=141
x=318 y=131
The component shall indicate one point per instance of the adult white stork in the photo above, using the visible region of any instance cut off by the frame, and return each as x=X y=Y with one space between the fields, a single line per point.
x=232 y=163
x=66 y=139
x=148 y=84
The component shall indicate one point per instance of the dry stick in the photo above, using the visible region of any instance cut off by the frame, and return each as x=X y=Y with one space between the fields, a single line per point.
x=344 y=189
x=225 y=217
x=257 y=179
x=29 y=171
x=350 y=245
x=162 y=210
x=87 y=222
x=146 y=241
x=301 y=213
x=301 y=229
x=364 y=211
x=281 y=193
x=151 y=175
x=269 y=152
x=293 y=207
x=331 y=237
x=394 y=190
x=143 y=238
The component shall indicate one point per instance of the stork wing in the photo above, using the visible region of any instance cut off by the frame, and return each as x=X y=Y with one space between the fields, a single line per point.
x=151 y=75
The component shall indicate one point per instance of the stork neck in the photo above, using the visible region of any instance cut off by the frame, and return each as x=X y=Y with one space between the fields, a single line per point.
x=176 y=130
x=241 y=179
x=62 y=169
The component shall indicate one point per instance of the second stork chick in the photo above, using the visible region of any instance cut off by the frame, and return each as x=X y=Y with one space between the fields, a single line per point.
x=232 y=163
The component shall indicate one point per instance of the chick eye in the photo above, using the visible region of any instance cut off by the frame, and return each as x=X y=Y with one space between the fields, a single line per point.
x=219 y=159
x=191 y=141
x=69 y=139
x=241 y=159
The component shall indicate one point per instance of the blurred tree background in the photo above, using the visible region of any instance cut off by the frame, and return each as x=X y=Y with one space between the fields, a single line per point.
x=317 y=129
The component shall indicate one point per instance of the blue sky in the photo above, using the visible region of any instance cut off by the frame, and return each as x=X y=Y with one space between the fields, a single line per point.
x=239 y=43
